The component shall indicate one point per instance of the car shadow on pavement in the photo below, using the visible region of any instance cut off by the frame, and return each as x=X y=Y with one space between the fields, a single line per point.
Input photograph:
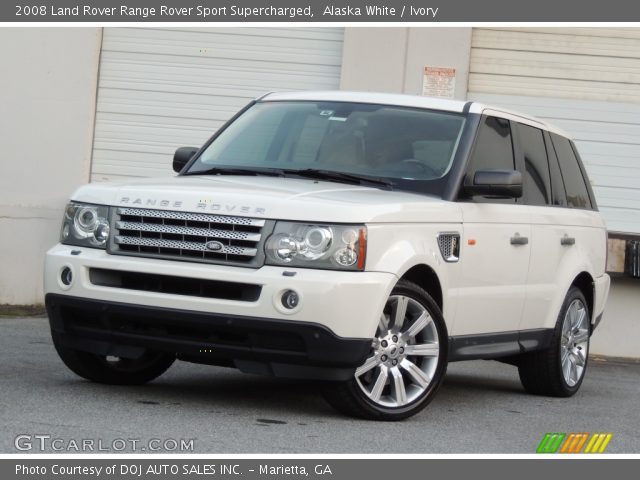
x=228 y=392
x=457 y=382
x=215 y=393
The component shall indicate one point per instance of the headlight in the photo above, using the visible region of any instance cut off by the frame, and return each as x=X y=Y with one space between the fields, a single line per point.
x=336 y=247
x=85 y=225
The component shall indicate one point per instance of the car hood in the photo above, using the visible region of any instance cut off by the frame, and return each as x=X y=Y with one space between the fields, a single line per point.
x=272 y=197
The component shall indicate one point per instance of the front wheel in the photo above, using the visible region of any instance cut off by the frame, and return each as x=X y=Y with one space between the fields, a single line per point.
x=407 y=362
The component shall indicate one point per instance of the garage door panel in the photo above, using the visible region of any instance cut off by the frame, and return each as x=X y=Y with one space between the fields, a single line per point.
x=616 y=180
x=575 y=44
x=163 y=88
x=124 y=61
x=581 y=31
x=196 y=73
x=596 y=131
x=159 y=79
x=614 y=112
x=614 y=154
x=223 y=45
x=547 y=87
x=619 y=196
x=538 y=64
x=618 y=219
x=123 y=171
x=202 y=107
x=150 y=127
x=205 y=34
x=134 y=136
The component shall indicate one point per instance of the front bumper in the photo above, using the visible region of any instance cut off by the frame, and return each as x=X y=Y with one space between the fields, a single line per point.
x=332 y=325
x=254 y=345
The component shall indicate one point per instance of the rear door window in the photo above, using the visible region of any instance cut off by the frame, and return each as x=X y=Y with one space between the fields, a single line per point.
x=536 y=179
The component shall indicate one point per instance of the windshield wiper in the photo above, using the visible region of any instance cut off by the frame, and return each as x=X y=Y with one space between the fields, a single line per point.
x=343 y=177
x=314 y=173
x=271 y=172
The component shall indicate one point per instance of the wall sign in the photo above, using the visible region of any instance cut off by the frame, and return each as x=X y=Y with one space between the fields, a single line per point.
x=439 y=82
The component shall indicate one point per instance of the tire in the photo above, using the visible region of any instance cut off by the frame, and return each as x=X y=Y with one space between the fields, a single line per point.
x=384 y=390
x=559 y=370
x=113 y=371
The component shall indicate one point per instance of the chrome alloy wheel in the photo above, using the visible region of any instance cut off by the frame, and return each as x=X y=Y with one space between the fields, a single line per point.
x=574 y=343
x=404 y=354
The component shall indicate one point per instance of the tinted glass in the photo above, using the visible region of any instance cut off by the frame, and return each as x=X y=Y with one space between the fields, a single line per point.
x=557 y=185
x=536 y=178
x=405 y=145
x=574 y=182
x=493 y=150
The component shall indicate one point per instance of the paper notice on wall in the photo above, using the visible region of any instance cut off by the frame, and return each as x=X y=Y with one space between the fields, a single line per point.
x=439 y=82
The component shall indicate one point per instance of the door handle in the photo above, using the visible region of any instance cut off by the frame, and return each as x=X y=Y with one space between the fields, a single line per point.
x=517 y=239
x=567 y=241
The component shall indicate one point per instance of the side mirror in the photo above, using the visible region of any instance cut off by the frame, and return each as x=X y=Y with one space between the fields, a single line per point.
x=495 y=183
x=182 y=157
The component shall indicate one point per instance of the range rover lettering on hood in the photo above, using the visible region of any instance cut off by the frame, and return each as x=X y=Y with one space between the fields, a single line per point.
x=201 y=205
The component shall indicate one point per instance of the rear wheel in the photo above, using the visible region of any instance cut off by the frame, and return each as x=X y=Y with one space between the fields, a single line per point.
x=114 y=370
x=406 y=364
x=559 y=370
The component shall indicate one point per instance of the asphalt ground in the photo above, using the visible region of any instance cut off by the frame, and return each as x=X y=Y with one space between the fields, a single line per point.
x=481 y=407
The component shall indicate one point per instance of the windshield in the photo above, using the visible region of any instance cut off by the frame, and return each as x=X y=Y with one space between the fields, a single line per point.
x=411 y=148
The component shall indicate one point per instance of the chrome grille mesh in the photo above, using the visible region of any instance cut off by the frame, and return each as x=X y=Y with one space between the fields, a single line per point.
x=187 y=236
x=192 y=231
x=449 y=243
x=196 y=217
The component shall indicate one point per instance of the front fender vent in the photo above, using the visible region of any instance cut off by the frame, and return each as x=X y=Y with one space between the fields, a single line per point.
x=449 y=243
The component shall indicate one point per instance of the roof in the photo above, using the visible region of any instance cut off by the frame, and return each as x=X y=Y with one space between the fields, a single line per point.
x=395 y=99
x=412 y=101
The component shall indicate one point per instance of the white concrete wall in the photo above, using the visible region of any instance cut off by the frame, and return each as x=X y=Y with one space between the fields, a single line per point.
x=619 y=332
x=47 y=104
x=393 y=59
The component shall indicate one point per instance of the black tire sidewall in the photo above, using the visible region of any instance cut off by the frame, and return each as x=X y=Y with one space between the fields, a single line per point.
x=573 y=294
x=380 y=412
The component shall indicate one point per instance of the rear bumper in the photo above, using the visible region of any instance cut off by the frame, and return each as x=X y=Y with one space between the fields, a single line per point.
x=275 y=347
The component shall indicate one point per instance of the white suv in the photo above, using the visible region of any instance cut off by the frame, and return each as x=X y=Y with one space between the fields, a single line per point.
x=362 y=240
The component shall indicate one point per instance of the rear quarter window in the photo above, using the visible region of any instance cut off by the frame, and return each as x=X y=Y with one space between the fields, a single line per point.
x=575 y=182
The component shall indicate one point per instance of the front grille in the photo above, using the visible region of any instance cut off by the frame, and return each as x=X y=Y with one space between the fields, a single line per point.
x=196 y=237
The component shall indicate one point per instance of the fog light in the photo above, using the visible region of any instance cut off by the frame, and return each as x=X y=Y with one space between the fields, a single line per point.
x=290 y=299
x=66 y=276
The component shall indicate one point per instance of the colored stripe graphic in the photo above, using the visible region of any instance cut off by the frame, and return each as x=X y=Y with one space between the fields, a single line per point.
x=582 y=441
x=574 y=442
x=551 y=442
x=598 y=443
